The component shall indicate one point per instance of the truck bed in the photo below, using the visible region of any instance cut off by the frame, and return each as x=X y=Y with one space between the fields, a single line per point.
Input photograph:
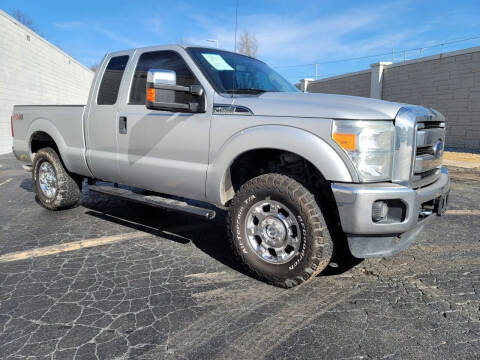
x=64 y=123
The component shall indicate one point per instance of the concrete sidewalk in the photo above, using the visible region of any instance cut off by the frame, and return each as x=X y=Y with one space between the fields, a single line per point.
x=461 y=160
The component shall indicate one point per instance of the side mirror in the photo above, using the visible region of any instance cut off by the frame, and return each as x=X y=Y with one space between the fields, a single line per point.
x=162 y=77
x=161 y=93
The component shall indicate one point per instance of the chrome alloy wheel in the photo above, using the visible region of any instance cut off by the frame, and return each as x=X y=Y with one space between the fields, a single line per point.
x=272 y=231
x=47 y=178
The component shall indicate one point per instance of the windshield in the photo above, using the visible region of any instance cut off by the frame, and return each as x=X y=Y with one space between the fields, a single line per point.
x=238 y=74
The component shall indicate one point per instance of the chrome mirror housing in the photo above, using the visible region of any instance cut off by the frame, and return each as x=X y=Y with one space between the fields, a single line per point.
x=161 y=77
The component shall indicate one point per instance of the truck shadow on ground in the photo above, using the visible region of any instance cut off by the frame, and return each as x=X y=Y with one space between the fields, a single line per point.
x=208 y=236
x=27 y=185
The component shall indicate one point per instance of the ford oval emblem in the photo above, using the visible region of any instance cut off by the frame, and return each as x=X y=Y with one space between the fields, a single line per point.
x=438 y=149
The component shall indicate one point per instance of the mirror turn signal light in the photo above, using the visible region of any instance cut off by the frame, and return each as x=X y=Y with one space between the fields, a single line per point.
x=346 y=141
x=151 y=95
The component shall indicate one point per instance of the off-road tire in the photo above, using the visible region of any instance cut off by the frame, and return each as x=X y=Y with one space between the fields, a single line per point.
x=316 y=244
x=68 y=189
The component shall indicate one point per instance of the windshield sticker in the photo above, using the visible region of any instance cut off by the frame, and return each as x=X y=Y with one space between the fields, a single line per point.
x=217 y=62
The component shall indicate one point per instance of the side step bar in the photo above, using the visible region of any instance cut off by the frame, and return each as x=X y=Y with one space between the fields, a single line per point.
x=156 y=201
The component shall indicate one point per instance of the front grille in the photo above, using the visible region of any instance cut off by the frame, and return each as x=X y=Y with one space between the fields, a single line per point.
x=429 y=144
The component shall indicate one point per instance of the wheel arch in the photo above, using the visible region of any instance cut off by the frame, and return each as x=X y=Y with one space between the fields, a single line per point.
x=305 y=145
x=43 y=131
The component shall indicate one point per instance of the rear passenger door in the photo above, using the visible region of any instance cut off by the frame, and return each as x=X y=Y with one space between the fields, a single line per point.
x=101 y=125
x=164 y=151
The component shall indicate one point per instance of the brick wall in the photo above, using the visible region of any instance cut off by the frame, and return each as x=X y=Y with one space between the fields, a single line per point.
x=448 y=82
x=33 y=71
x=357 y=84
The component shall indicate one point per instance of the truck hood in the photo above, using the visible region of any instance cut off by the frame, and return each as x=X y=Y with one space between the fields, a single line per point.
x=319 y=105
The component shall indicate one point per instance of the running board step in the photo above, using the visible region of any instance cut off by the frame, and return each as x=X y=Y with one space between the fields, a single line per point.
x=156 y=201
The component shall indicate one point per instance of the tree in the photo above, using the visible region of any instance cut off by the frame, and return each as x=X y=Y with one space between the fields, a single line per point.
x=248 y=44
x=25 y=20
x=95 y=67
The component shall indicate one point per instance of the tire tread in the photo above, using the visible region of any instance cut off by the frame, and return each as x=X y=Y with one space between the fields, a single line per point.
x=322 y=246
x=68 y=189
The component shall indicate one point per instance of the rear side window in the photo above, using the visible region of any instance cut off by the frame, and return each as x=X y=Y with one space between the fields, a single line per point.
x=108 y=92
x=165 y=60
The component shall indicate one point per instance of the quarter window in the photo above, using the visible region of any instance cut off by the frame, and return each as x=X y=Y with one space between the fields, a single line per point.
x=165 y=60
x=112 y=77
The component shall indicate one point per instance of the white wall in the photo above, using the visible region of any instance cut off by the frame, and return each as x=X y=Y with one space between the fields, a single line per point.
x=33 y=71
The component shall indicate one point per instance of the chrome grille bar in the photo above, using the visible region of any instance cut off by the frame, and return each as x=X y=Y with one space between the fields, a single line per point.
x=426 y=162
x=429 y=136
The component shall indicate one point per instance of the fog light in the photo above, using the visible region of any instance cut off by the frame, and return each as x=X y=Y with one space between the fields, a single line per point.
x=379 y=211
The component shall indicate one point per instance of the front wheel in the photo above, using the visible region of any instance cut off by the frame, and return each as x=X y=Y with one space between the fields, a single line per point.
x=278 y=231
x=54 y=186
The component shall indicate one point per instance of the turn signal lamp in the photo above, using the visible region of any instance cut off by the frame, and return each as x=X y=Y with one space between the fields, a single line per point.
x=346 y=141
x=151 y=95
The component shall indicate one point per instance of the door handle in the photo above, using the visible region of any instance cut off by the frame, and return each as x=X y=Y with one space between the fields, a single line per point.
x=122 y=124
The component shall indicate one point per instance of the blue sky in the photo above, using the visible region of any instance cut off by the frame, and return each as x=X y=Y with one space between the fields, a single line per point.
x=292 y=35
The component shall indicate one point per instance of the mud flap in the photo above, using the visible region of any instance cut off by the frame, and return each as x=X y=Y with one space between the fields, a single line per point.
x=441 y=204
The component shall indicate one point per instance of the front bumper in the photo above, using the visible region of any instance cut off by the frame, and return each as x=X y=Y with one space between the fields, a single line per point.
x=367 y=238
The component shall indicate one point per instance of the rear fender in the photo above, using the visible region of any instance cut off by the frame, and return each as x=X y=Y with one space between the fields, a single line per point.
x=46 y=126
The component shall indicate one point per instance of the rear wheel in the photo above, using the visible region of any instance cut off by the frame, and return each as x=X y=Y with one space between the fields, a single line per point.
x=54 y=186
x=278 y=231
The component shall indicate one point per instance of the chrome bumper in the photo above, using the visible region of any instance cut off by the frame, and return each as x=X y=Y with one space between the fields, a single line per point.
x=367 y=238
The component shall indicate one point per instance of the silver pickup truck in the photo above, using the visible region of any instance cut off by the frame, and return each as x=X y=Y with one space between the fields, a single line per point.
x=193 y=126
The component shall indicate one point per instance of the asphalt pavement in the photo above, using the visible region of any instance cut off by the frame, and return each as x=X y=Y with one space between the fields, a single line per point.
x=110 y=279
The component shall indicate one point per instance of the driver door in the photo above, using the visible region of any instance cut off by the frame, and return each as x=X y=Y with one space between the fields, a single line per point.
x=163 y=151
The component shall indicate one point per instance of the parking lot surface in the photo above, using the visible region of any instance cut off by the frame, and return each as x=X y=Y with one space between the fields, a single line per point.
x=110 y=279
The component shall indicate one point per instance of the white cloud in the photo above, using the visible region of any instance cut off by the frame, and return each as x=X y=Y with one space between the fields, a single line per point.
x=70 y=25
x=295 y=39
x=154 y=24
x=118 y=38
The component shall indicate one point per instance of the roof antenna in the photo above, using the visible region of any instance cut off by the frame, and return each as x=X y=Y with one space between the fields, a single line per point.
x=235 y=48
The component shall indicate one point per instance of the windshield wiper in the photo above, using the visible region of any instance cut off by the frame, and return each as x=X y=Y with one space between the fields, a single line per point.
x=245 y=91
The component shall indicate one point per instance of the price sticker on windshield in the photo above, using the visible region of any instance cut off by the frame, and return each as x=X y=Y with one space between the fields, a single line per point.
x=217 y=62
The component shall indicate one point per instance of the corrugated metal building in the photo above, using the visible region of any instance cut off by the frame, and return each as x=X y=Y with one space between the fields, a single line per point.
x=33 y=71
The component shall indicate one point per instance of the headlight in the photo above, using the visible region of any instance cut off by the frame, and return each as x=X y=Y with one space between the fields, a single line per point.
x=370 y=146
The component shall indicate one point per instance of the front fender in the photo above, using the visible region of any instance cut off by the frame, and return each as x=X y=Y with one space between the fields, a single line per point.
x=287 y=138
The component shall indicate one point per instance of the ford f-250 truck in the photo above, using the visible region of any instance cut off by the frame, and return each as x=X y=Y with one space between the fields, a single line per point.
x=193 y=123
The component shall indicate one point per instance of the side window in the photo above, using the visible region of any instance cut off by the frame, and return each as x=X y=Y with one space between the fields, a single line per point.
x=165 y=60
x=112 y=77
